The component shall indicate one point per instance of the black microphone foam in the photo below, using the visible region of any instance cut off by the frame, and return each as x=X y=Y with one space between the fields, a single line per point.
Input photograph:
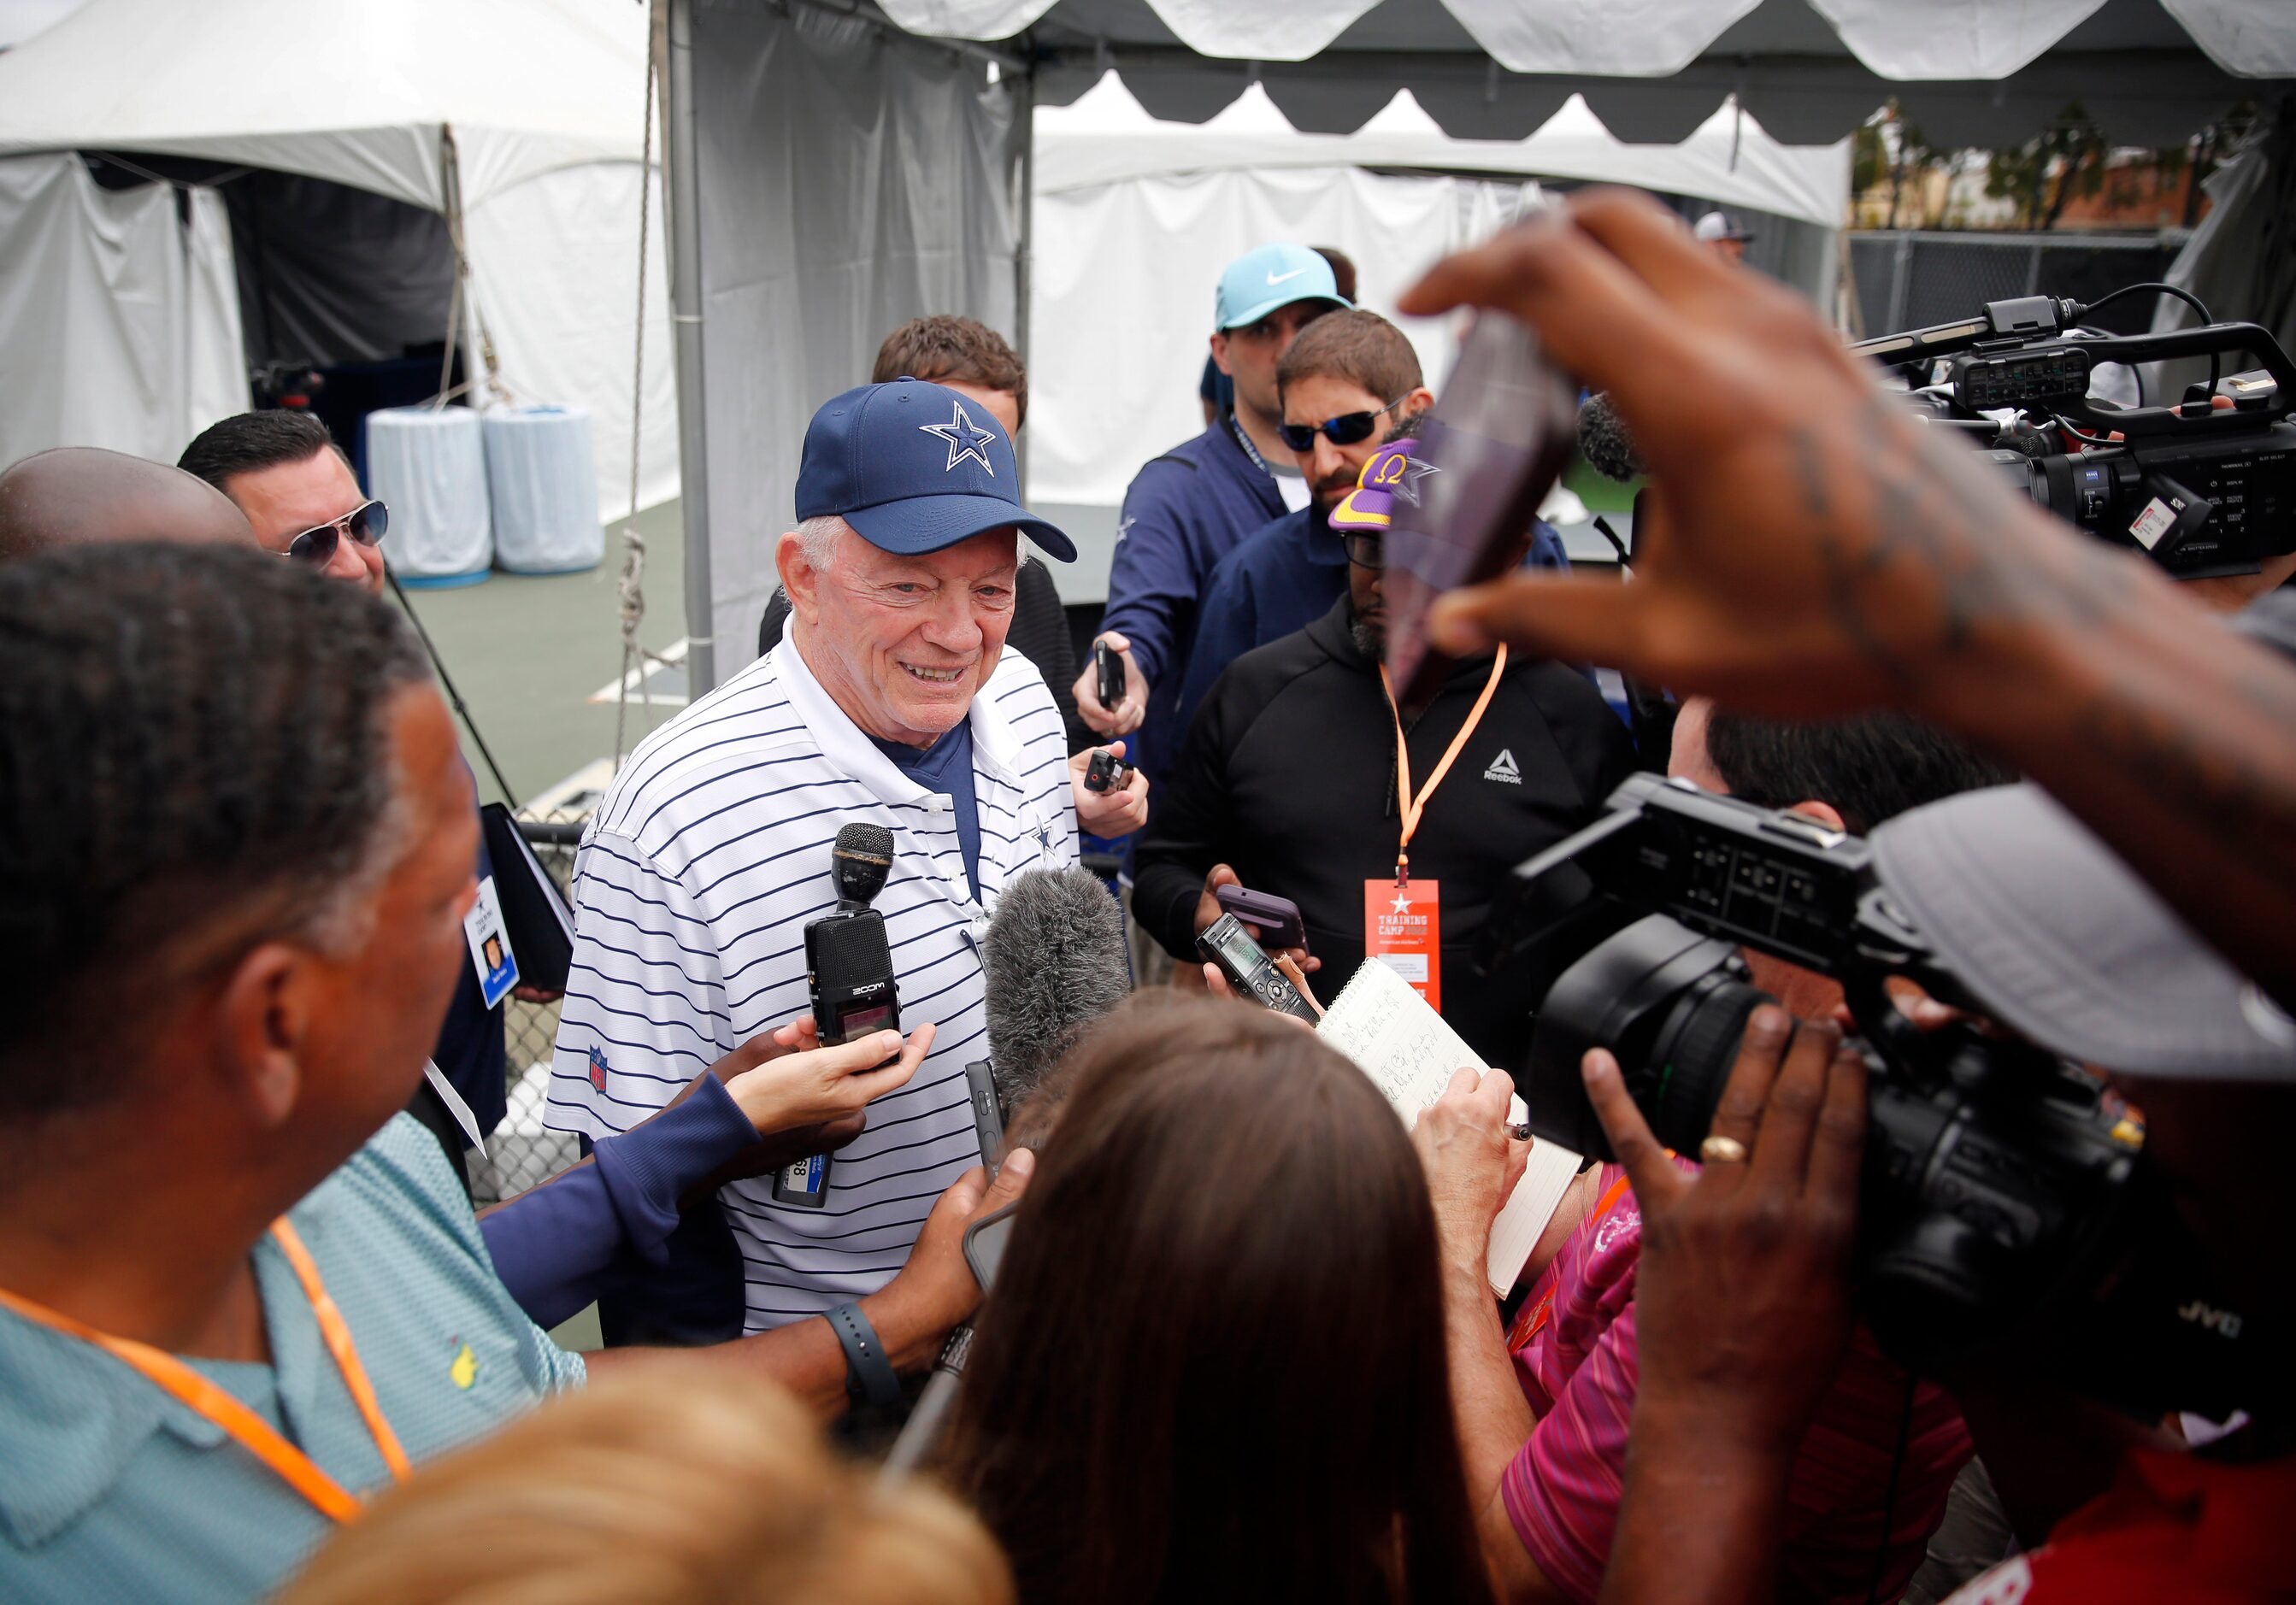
x=1055 y=960
x=860 y=861
x=1603 y=440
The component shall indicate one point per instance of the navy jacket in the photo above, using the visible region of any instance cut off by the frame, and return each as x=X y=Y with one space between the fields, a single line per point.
x=1282 y=579
x=1183 y=512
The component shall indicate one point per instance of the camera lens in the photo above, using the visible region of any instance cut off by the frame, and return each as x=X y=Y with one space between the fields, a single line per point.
x=1670 y=1005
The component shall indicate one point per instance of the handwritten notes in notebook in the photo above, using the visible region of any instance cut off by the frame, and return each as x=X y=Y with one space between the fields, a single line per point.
x=1389 y=1032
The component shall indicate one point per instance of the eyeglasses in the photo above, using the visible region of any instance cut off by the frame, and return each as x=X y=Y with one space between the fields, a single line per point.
x=1366 y=551
x=366 y=523
x=1345 y=429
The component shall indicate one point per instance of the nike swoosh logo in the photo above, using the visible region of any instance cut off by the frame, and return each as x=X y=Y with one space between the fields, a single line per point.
x=1277 y=278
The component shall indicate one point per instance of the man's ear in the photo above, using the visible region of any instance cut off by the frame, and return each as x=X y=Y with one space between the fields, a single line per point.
x=265 y=1013
x=800 y=579
x=1826 y=813
x=1418 y=401
x=1220 y=352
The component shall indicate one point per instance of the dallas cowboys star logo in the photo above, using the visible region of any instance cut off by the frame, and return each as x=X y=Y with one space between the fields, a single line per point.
x=1414 y=472
x=965 y=438
x=1044 y=840
x=1402 y=904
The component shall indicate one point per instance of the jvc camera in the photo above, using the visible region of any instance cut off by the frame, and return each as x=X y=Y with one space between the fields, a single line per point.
x=2203 y=491
x=2002 y=1185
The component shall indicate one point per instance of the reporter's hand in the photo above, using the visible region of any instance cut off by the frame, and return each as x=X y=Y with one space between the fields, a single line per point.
x=1209 y=909
x=1108 y=813
x=1125 y=718
x=1471 y=1163
x=1807 y=548
x=936 y=1289
x=786 y=1085
x=1742 y=1295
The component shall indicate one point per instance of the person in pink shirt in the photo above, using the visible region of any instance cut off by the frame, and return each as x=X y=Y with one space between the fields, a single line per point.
x=1543 y=1404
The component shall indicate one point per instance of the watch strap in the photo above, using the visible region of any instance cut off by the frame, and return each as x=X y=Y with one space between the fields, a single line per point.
x=869 y=1372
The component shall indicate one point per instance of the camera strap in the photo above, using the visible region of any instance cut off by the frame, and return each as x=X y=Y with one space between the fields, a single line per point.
x=1412 y=806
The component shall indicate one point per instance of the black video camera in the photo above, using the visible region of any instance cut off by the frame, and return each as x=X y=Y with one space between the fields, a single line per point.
x=849 y=969
x=2002 y=1185
x=2204 y=490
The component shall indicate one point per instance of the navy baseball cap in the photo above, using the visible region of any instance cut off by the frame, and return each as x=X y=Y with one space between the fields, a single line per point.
x=914 y=468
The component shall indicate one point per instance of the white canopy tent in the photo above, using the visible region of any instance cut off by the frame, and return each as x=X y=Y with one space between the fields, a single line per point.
x=852 y=165
x=1135 y=217
x=521 y=122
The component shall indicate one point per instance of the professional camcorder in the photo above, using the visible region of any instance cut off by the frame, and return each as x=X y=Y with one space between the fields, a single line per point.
x=2205 y=490
x=2005 y=1191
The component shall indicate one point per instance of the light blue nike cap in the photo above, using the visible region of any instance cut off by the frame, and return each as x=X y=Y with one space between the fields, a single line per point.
x=1258 y=282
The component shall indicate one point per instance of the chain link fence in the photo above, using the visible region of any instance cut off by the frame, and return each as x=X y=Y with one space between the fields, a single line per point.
x=1904 y=279
x=521 y=1152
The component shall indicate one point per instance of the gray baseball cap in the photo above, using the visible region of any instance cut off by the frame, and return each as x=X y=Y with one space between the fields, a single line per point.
x=2060 y=939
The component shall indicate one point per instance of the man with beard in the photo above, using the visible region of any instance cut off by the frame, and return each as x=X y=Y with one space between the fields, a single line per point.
x=1349 y=384
x=1289 y=784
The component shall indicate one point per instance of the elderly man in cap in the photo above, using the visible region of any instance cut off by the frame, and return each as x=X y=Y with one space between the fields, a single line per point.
x=891 y=701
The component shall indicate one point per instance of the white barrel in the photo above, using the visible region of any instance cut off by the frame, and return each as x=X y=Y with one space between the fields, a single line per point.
x=429 y=466
x=544 y=480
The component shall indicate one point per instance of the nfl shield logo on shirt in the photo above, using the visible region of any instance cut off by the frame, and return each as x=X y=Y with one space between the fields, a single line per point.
x=598 y=1069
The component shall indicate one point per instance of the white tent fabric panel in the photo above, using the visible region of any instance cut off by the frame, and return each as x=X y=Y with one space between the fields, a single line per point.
x=355 y=90
x=119 y=324
x=1123 y=302
x=554 y=271
x=850 y=180
x=1106 y=135
x=1937 y=40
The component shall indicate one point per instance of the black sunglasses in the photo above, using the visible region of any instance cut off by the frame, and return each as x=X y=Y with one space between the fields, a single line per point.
x=1366 y=551
x=366 y=523
x=1345 y=429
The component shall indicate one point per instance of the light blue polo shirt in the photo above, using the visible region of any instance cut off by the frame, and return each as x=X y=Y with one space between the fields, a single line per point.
x=109 y=1489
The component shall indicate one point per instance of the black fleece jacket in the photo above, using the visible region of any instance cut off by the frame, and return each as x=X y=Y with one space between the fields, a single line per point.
x=1287 y=775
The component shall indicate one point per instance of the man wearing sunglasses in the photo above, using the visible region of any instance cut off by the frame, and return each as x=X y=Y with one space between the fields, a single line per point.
x=1348 y=384
x=284 y=471
x=1190 y=506
x=1287 y=784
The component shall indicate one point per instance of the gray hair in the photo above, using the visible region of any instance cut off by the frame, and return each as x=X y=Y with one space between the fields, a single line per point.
x=817 y=539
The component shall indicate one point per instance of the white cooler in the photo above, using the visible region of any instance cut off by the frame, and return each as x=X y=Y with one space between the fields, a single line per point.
x=429 y=466
x=544 y=480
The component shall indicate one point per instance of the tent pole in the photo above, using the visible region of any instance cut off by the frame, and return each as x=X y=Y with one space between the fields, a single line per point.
x=685 y=193
x=1024 y=115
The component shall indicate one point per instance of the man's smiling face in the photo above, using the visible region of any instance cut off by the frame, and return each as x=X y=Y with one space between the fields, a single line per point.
x=904 y=643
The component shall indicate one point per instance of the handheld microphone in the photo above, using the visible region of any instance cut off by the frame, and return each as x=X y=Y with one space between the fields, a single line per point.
x=1603 y=440
x=849 y=970
x=1054 y=961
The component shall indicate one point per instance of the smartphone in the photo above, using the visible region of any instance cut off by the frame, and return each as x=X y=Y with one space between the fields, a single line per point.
x=1108 y=665
x=1488 y=453
x=988 y=1113
x=1276 y=917
x=984 y=1244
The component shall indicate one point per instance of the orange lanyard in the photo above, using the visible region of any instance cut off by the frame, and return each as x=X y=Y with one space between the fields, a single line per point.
x=1412 y=806
x=255 y=1434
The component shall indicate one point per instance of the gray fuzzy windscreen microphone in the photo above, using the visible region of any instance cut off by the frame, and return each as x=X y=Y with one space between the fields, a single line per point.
x=1603 y=440
x=1054 y=961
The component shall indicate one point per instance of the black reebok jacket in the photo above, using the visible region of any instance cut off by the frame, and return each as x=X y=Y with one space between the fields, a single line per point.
x=1288 y=776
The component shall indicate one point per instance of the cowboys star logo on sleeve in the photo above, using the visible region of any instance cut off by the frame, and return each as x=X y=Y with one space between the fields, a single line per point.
x=965 y=438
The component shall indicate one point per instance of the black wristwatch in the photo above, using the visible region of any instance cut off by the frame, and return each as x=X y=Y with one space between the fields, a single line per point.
x=869 y=1374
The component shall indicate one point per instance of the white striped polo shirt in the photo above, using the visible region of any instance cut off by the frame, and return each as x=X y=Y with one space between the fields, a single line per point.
x=696 y=882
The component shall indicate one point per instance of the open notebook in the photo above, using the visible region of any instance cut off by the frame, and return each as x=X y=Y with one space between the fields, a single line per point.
x=1410 y=1054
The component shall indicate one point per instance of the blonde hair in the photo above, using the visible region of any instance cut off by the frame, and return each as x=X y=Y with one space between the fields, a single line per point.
x=675 y=1483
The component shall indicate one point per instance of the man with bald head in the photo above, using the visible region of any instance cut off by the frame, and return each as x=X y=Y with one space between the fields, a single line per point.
x=76 y=495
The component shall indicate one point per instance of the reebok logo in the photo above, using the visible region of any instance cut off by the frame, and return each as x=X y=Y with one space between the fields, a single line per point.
x=1505 y=768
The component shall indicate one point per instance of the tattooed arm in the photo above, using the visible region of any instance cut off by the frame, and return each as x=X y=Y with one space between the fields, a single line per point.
x=1808 y=550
